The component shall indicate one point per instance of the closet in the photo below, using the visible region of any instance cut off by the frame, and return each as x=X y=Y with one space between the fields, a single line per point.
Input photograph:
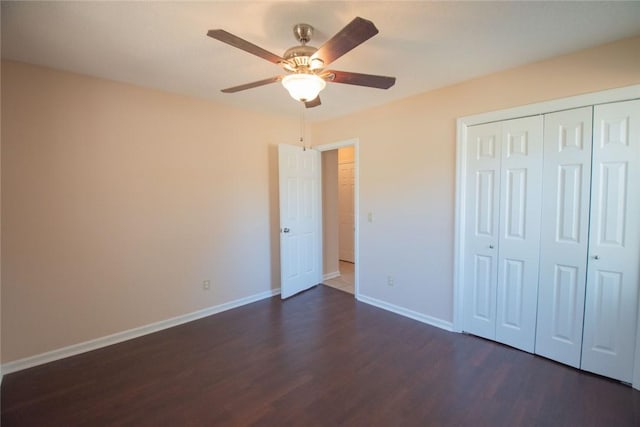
x=551 y=235
x=503 y=176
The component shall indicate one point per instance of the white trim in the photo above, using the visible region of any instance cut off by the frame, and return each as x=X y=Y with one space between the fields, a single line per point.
x=595 y=98
x=355 y=142
x=336 y=145
x=330 y=276
x=433 y=321
x=601 y=97
x=97 y=343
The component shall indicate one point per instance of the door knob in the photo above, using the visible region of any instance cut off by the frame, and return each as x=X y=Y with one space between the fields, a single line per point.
x=285 y=230
x=596 y=257
x=490 y=246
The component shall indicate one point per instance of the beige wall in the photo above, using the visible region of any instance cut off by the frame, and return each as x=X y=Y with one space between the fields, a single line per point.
x=118 y=201
x=330 y=220
x=407 y=167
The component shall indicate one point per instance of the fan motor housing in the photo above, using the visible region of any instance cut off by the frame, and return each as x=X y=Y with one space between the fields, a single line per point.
x=299 y=51
x=300 y=57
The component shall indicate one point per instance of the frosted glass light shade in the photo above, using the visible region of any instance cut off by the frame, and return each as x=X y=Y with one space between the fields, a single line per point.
x=303 y=87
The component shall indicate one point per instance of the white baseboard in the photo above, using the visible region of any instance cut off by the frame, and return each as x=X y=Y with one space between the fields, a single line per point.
x=329 y=276
x=433 y=321
x=97 y=343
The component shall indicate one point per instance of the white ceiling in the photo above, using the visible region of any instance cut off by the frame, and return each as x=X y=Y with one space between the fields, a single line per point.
x=424 y=44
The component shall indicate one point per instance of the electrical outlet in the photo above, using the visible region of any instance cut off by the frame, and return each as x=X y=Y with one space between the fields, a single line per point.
x=390 y=281
x=206 y=285
x=370 y=217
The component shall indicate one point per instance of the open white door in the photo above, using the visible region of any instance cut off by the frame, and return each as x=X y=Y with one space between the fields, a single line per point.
x=300 y=219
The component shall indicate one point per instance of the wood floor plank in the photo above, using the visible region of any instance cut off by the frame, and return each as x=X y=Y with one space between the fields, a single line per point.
x=318 y=359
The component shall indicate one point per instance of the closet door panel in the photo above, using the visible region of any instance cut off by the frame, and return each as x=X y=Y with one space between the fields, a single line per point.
x=564 y=234
x=518 y=259
x=481 y=229
x=614 y=243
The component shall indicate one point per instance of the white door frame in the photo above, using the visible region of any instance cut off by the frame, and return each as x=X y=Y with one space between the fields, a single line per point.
x=601 y=97
x=355 y=143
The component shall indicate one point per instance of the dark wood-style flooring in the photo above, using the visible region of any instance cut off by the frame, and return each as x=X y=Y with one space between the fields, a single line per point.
x=318 y=359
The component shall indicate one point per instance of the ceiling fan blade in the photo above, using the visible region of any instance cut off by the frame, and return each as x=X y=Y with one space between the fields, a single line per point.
x=313 y=103
x=252 y=84
x=236 y=41
x=369 y=80
x=356 y=32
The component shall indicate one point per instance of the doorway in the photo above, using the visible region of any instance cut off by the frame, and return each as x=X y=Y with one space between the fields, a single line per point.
x=339 y=215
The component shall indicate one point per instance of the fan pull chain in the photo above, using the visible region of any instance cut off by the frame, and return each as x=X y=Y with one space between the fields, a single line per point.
x=304 y=147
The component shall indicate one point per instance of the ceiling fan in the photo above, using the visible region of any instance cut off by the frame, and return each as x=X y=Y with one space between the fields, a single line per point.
x=304 y=65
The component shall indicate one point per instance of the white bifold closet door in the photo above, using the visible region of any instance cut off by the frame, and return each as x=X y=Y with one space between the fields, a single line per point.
x=519 y=244
x=611 y=306
x=504 y=171
x=564 y=234
x=484 y=144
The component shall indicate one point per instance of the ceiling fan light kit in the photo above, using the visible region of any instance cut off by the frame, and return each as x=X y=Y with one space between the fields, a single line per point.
x=304 y=65
x=303 y=87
